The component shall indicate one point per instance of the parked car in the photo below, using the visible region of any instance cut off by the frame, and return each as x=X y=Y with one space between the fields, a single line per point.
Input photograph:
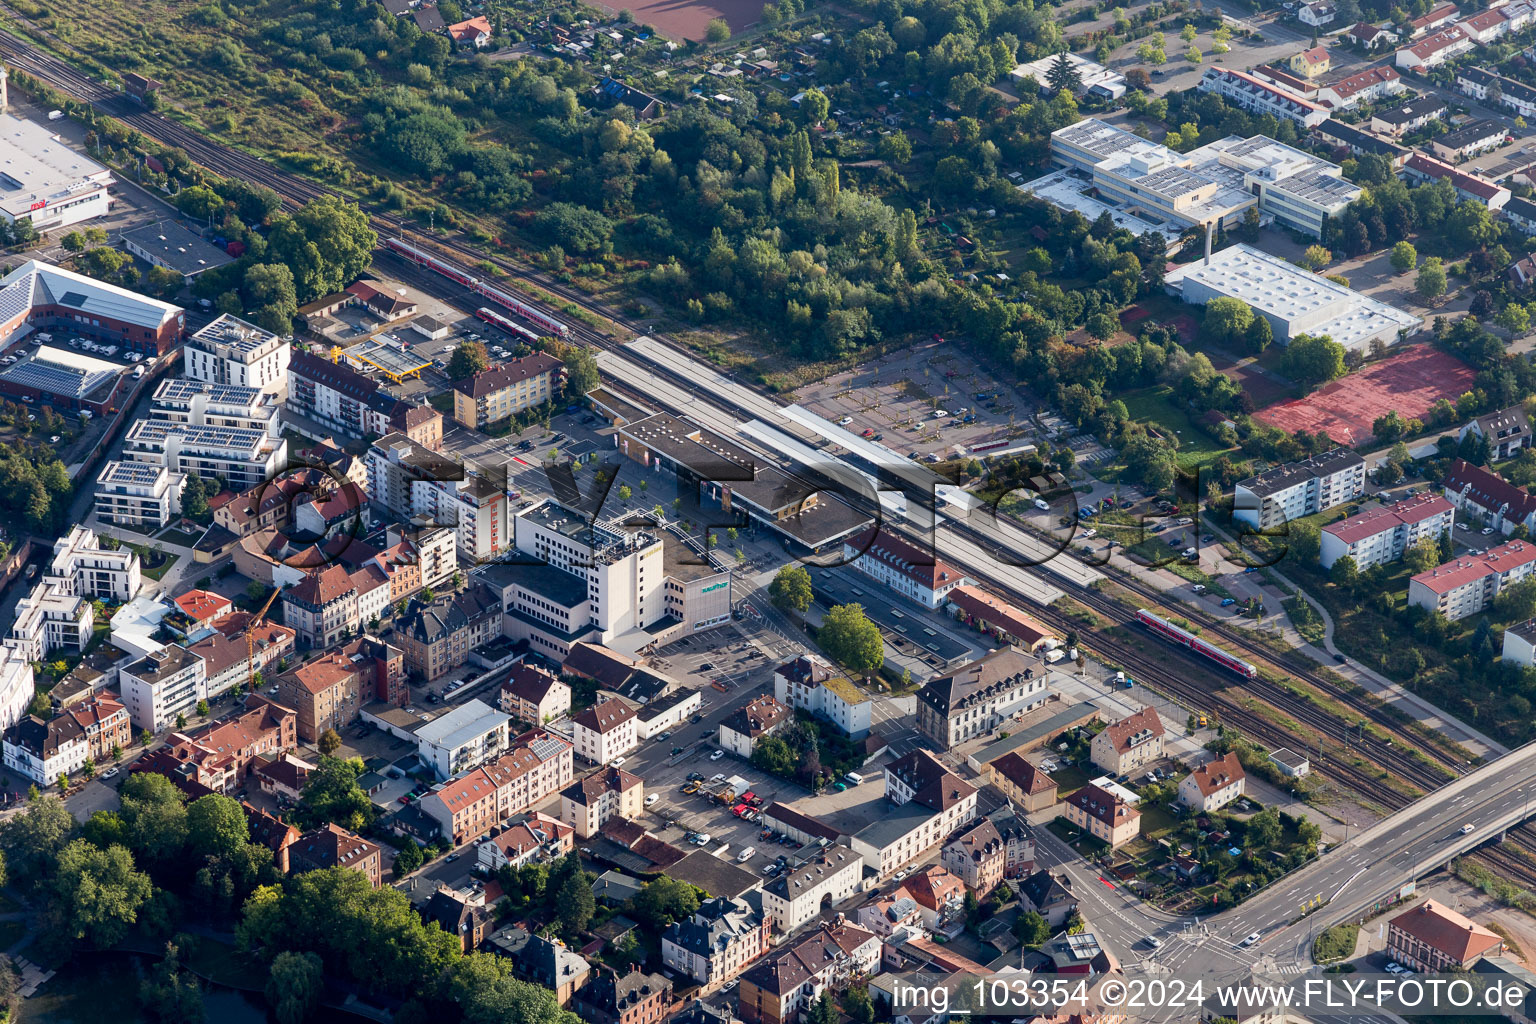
x=717 y=755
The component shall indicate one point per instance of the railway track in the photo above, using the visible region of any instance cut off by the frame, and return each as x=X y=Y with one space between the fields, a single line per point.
x=295 y=191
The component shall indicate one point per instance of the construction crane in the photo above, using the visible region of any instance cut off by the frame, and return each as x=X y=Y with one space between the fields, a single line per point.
x=250 y=639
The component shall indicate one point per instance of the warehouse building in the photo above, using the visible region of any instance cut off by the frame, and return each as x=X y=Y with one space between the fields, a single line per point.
x=169 y=245
x=44 y=181
x=52 y=298
x=1293 y=300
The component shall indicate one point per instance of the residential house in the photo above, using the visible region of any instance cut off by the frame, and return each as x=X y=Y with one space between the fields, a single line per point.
x=607 y=793
x=460 y=914
x=272 y=832
x=812 y=881
x=1432 y=937
x=336 y=847
x=634 y=998
x=545 y=962
x=939 y=895
x=1129 y=744
x=1485 y=27
x=1400 y=119
x=328 y=692
x=928 y=803
x=1045 y=894
x=1496 y=89
x=1214 y=784
x=436 y=636
x=1368 y=86
x=1478 y=137
x=1466 y=585
x=1024 y=784
x=1373 y=37
x=530 y=694
x=1436 y=19
x=781 y=987
x=1434 y=50
x=536 y=837
x=1103 y=815
x=1311 y=62
x=1468 y=186
x=605 y=731
x=977 y=855
x=816 y=685
x=1507 y=432
x=1317 y=14
x=759 y=717
x=1485 y=496
x=475 y=32
x=506 y=389
x=220 y=754
x=723 y=938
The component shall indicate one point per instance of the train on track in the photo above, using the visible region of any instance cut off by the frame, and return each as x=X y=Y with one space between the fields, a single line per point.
x=421 y=257
x=495 y=319
x=1168 y=631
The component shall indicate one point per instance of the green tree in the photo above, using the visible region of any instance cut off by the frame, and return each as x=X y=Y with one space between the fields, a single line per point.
x=326 y=244
x=1316 y=257
x=170 y=994
x=815 y=106
x=202 y=708
x=1404 y=257
x=100 y=893
x=468 y=359
x=625 y=493
x=823 y=1010
x=1515 y=319
x=408 y=859
x=1263 y=830
x=1226 y=319
x=774 y=756
x=1063 y=76
x=216 y=827
x=154 y=813
x=717 y=31
x=850 y=639
x=194 y=500
x=791 y=589
x=858 y=1007
x=272 y=296
x=1423 y=556
x=1311 y=360
x=331 y=794
x=662 y=901
x=329 y=742
x=32 y=839
x=1516 y=603
x=295 y=983
x=1259 y=335
x=581 y=374
x=575 y=903
x=1345 y=572
x=1430 y=284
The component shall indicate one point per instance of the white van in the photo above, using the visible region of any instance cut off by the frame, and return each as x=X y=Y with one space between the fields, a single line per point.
x=853 y=779
x=746 y=855
x=1053 y=656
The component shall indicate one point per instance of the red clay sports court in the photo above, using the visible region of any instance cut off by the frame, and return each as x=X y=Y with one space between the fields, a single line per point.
x=1410 y=383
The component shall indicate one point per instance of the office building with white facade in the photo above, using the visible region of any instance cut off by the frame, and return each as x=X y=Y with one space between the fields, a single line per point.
x=415 y=482
x=1466 y=585
x=1381 y=535
x=233 y=351
x=1293 y=300
x=1298 y=489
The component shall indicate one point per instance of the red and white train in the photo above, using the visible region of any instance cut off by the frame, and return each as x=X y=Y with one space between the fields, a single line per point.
x=1184 y=638
x=495 y=319
x=419 y=256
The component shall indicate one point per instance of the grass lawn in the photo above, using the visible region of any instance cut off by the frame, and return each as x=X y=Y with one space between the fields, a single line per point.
x=1069 y=781
x=443 y=402
x=181 y=538
x=1155 y=821
x=1337 y=943
x=159 y=571
x=1154 y=405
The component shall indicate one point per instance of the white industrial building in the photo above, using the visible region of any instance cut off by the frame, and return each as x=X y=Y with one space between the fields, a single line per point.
x=1146 y=186
x=472 y=734
x=44 y=181
x=232 y=351
x=1297 y=489
x=1293 y=300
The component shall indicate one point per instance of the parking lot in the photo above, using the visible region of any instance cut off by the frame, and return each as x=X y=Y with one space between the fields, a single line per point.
x=917 y=401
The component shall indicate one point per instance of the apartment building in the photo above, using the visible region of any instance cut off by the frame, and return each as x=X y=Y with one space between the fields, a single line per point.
x=779 y=988
x=438 y=635
x=330 y=605
x=1103 y=815
x=545 y=962
x=939 y=895
x=928 y=803
x=414 y=482
x=1478 y=137
x=1129 y=744
x=162 y=686
x=57 y=612
x=761 y=716
x=82 y=566
x=607 y=793
x=214 y=430
x=328 y=692
x=43 y=750
x=1468 y=584
x=1257 y=96
x=1485 y=26
x=722 y=939
x=1434 y=50
x=464 y=808
x=1369 y=86
x=917 y=575
x=532 y=837
x=1490 y=87
x=506 y=389
x=1214 y=784
x=337 y=847
x=336 y=396
x=16 y=687
x=816 y=879
x=1508 y=432
x=466 y=737
x=48 y=619
x=1381 y=535
x=978 y=856
x=1397 y=120
x=234 y=351
x=1421 y=167
x=530 y=694
x=813 y=683
x=604 y=731
x=219 y=755
x=978 y=696
x=138 y=494
x=1297 y=489
x=1432 y=937
x=633 y=998
x=469 y=806
x=1486 y=497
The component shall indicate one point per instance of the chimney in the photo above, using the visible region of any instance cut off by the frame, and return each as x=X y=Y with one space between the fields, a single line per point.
x=1210 y=233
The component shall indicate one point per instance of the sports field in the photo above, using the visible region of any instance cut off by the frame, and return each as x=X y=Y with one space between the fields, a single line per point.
x=1410 y=382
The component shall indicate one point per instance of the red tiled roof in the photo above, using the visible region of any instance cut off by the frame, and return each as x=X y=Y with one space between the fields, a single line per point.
x=1488 y=489
x=1103 y=806
x=1438 y=926
x=1214 y=776
x=1347 y=87
x=1432 y=168
x=1461 y=571
x=1438 y=14
x=509 y=373
x=1485 y=20
x=321 y=588
x=467 y=30
x=923 y=567
x=1431 y=45
x=606 y=716
x=1022 y=774
x=202 y=605
x=1378 y=520
x=1121 y=732
x=975 y=601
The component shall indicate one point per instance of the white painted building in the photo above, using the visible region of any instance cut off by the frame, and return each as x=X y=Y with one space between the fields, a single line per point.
x=1214 y=784
x=917 y=575
x=162 y=685
x=604 y=731
x=472 y=734
x=823 y=877
x=1381 y=535
x=411 y=480
x=233 y=351
x=138 y=494
x=813 y=683
x=1466 y=585
x=1297 y=489
x=16 y=687
x=1257 y=96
